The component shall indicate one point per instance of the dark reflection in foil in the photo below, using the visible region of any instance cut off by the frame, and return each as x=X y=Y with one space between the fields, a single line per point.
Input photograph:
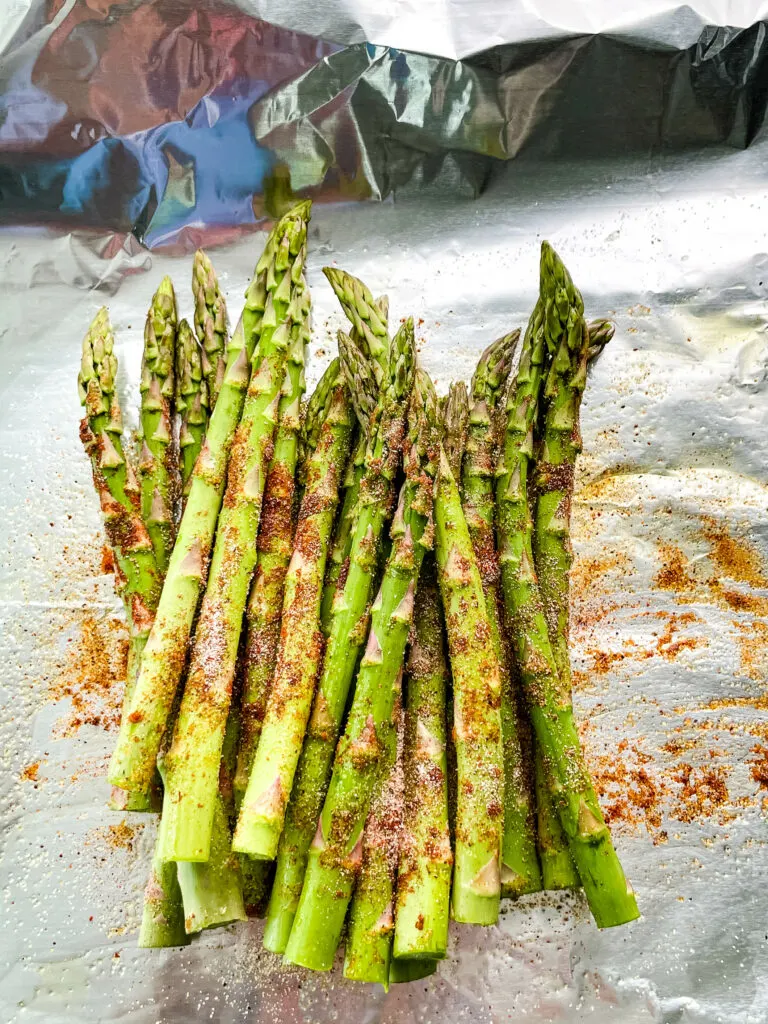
x=181 y=125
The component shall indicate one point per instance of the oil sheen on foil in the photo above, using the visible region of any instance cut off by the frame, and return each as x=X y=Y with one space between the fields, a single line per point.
x=441 y=144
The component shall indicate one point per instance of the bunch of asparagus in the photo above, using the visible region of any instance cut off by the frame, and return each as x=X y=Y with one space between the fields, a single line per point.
x=349 y=674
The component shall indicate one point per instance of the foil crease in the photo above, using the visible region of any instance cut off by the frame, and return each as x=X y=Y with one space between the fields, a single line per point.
x=648 y=176
x=184 y=125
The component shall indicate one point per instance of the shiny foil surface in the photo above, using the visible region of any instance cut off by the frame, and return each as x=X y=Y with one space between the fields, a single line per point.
x=635 y=142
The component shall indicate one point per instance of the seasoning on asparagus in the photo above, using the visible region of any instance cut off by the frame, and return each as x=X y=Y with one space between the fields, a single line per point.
x=346 y=636
x=212 y=891
x=262 y=811
x=195 y=753
x=557 y=868
x=133 y=761
x=424 y=870
x=136 y=574
x=210 y=323
x=162 y=917
x=476 y=712
x=157 y=466
x=342 y=538
x=556 y=324
x=368 y=947
x=191 y=401
x=335 y=854
x=274 y=548
x=519 y=864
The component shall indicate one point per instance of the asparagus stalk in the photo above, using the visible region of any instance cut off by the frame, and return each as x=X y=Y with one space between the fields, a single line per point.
x=212 y=892
x=157 y=468
x=455 y=415
x=274 y=548
x=210 y=323
x=138 y=744
x=611 y=900
x=557 y=868
x=368 y=950
x=137 y=578
x=424 y=870
x=342 y=540
x=335 y=854
x=162 y=919
x=195 y=753
x=269 y=785
x=101 y=430
x=410 y=970
x=476 y=712
x=346 y=636
x=191 y=401
x=519 y=864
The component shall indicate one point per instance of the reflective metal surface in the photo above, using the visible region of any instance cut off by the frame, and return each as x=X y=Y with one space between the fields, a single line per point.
x=657 y=200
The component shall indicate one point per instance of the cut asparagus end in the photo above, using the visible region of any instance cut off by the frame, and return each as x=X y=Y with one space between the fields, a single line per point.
x=401 y=971
x=313 y=941
x=257 y=838
x=162 y=919
x=181 y=838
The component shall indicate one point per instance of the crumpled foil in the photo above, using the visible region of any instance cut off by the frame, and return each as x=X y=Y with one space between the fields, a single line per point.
x=640 y=153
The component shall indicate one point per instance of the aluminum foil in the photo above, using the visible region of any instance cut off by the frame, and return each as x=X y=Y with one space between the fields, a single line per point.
x=661 y=219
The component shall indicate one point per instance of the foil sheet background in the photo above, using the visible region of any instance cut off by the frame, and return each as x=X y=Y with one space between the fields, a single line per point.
x=663 y=226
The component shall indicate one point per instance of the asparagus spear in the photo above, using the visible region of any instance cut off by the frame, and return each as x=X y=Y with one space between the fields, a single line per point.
x=519 y=865
x=455 y=415
x=476 y=712
x=162 y=919
x=611 y=899
x=133 y=761
x=212 y=891
x=368 y=950
x=557 y=867
x=335 y=854
x=342 y=540
x=424 y=870
x=210 y=323
x=410 y=970
x=274 y=548
x=346 y=636
x=157 y=468
x=269 y=785
x=191 y=401
x=368 y=317
x=137 y=578
x=195 y=753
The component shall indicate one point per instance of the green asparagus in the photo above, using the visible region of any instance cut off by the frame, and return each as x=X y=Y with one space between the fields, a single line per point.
x=133 y=761
x=195 y=753
x=342 y=539
x=424 y=870
x=269 y=785
x=136 y=574
x=556 y=322
x=210 y=323
x=274 y=547
x=212 y=891
x=476 y=712
x=335 y=854
x=368 y=950
x=191 y=401
x=557 y=867
x=157 y=467
x=519 y=865
x=346 y=636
